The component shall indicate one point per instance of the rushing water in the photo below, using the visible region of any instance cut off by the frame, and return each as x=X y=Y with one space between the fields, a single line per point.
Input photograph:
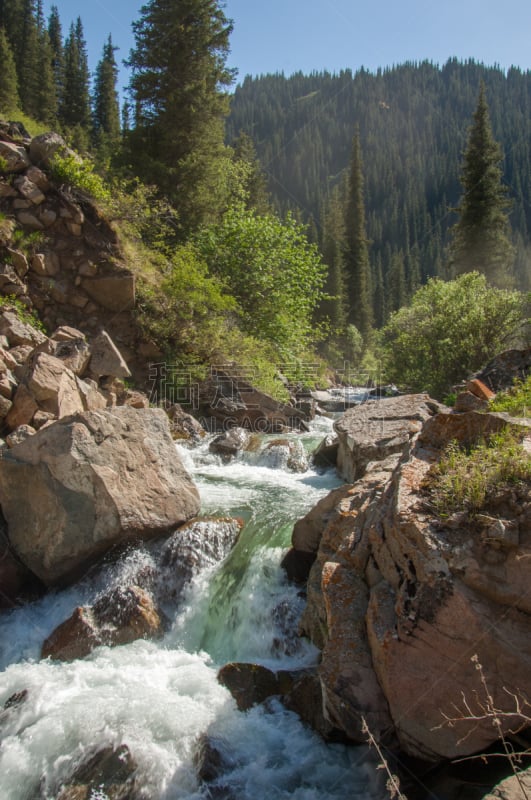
x=157 y=698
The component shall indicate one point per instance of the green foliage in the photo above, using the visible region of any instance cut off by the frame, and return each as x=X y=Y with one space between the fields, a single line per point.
x=515 y=401
x=181 y=307
x=465 y=480
x=272 y=270
x=450 y=330
x=79 y=173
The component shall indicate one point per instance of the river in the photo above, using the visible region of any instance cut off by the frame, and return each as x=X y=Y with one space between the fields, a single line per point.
x=158 y=697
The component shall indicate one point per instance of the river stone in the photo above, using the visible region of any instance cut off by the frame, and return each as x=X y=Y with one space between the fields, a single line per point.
x=230 y=443
x=109 y=772
x=199 y=544
x=119 y=616
x=98 y=479
x=251 y=684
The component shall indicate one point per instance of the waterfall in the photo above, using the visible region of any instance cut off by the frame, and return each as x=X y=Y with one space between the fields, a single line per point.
x=159 y=697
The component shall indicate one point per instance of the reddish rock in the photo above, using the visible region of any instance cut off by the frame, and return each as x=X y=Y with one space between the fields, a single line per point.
x=478 y=388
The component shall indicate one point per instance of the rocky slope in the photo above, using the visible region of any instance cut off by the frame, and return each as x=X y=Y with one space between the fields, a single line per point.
x=406 y=605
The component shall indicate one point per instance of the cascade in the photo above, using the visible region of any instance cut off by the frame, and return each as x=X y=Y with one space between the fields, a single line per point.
x=158 y=698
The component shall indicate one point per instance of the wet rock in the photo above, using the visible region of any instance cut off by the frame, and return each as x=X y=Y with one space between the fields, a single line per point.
x=251 y=684
x=17 y=584
x=285 y=454
x=97 y=479
x=120 y=616
x=183 y=425
x=109 y=772
x=198 y=545
x=305 y=698
x=230 y=443
x=297 y=565
x=325 y=455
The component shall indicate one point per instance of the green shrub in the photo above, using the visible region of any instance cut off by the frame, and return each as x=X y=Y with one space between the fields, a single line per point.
x=79 y=173
x=515 y=401
x=466 y=479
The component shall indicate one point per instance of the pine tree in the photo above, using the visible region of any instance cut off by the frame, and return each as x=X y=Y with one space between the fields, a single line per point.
x=9 y=99
x=357 y=265
x=106 y=107
x=46 y=97
x=481 y=236
x=255 y=182
x=27 y=57
x=75 y=104
x=177 y=87
x=332 y=248
x=55 y=34
x=10 y=20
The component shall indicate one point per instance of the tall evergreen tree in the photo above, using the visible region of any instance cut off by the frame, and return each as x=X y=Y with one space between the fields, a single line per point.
x=178 y=88
x=46 y=97
x=9 y=99
x=75 y=102
x=332 y=248
x=10 y=20
x=55 y=34
x=481 y=237
x=357 y=265
x=28 y=57
x=255 y=180
x=105 y=104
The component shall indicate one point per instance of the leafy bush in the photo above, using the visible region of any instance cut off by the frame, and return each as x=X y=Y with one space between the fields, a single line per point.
x=79 y=173
x=273 y=271
x=464 y=480
x=515 y=401
x=450 y=330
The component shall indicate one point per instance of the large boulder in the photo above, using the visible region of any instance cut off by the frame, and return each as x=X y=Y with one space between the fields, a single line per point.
x=379 y=428
x=89 y=482
x=406 y=605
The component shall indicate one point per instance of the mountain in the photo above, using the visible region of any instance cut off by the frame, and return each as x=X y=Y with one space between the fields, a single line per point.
x=413 y=121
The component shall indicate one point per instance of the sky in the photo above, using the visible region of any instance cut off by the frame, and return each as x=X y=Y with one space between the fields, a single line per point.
x=307 y=35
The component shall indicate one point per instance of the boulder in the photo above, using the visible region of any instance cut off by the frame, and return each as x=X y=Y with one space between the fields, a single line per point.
x=53 y=386
x=19 y=435
x=405 y=604
x=228 y=400
x=18 y=332
x=105 y=359
x=23 y=408
x=120 y=616
x=325 y=455
x=16 y=582
x=379 y=428
x=183 y=425
x=230 y=443
x=251 y=684
x=15 y=157
x=44 y=146
x=97 y=479
x=513 y=788
x=109 y=771
x=285 y=454
x=198 y=545
x=501 y=372
x=113 y=292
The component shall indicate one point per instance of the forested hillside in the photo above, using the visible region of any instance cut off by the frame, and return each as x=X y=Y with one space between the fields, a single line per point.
x=413 y=123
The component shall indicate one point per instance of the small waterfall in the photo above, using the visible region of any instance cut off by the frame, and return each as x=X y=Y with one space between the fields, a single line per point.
x=159 y=697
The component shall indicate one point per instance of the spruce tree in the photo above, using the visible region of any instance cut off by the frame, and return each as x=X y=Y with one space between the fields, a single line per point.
x=27 y=57
x=46 y=91
x=9 y=99
x=357 y=265
x=55 y=34
x=178 y=89
x=75 y=103
x=106 y=107
x=481 y=237
x=332 y=248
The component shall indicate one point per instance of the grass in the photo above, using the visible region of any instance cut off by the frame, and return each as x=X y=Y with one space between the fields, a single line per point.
x=515 y=401
x=466 y=479
x=13 y=304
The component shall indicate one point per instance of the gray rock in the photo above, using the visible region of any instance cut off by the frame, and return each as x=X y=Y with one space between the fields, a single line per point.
x=15 y=157
x=106 y=359
x=97 y=479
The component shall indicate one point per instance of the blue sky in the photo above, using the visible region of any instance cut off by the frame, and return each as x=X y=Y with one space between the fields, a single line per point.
x=308 y=35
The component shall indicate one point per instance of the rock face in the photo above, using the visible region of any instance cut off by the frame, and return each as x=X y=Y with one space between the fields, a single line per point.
x=401 y=601
x=97 y=479
x=376 y=429
x=108 y=772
